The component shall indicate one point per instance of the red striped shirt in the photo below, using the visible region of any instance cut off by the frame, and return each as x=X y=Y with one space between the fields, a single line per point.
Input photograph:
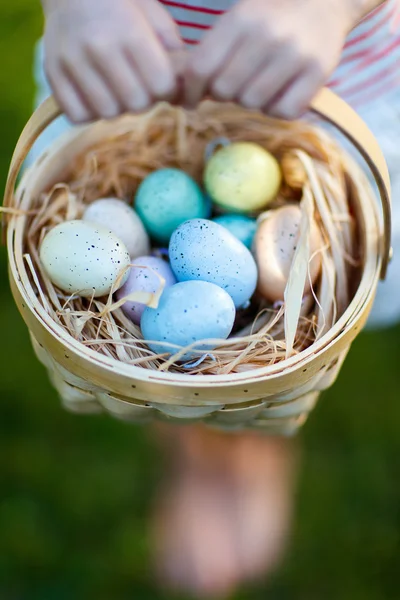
x=370 y=56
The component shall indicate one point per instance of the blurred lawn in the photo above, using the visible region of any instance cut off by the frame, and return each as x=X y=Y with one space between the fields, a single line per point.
x=76 y=491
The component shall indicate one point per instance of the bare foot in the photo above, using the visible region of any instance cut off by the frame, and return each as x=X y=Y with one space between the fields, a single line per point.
x=224 y=516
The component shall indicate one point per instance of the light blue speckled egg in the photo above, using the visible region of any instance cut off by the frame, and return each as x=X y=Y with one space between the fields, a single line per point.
x=242 y=227
x=167 y=198
x=205 y=251
x=189 y=312
x=144 y=279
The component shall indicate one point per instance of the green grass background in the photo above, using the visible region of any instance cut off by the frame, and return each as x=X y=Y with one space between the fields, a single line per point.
x=76 y=491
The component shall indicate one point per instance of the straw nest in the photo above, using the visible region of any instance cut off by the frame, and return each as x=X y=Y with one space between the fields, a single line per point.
x=316 y=173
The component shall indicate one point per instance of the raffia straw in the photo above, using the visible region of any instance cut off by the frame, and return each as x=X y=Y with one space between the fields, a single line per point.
x=327 y=310
x=333 y=233
x=298 y=272
x=148 y=298
x=172 y=137
x=15 y=212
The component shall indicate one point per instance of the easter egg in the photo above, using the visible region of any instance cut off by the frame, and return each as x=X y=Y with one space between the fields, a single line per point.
x=242 y=177
x=167 y=198
x=204 y=250
x=274 y=248
x=82 y=258
x=120 y=218
x=189 y=312
x=242 y=227
x=143 y=278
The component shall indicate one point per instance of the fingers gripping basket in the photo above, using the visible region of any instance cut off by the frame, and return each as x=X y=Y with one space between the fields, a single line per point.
x=275 y=399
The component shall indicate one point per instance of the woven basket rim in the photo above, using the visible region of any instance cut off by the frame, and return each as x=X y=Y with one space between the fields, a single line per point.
x=17 y=265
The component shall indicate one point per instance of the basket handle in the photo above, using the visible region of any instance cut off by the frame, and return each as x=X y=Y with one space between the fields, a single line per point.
x=326 y=104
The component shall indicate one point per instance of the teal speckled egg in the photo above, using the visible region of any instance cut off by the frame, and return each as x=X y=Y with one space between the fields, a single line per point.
x=166 y=199
x=242 y=227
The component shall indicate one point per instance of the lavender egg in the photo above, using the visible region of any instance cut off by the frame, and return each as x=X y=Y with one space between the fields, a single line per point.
x=189 y=312
x=142 y=279
x=205 y=251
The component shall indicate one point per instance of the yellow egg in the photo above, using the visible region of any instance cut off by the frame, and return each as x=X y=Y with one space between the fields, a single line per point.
x=242 y=177
x=274 y=247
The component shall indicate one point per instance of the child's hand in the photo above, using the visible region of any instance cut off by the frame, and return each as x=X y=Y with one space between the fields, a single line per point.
x=272 y=55
x=106 y=57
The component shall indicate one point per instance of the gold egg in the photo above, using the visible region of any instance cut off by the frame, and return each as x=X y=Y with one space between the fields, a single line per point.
x=294 y=174
x=274 y=247
x=242 y=177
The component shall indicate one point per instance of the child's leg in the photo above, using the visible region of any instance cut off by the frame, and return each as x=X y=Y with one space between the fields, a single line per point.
x=225 y=513
x=42 y=92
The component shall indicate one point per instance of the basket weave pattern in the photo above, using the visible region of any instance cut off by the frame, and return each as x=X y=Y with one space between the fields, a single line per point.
x=276 y=399
x=280 y=414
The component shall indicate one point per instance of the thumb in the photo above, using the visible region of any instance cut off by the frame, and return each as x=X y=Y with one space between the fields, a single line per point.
x=162 y=23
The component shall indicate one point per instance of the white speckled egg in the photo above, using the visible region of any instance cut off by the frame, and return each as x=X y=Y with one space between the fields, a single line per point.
x=142 y=279
x=189 y=312
x=82 y=258
x=203 y=250
x=242 y=177
x=116 y=215
x=274 y=247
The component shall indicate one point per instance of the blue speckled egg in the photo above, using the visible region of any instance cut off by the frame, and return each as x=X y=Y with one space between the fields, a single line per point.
x=204 y=250
x=143 y=278
x=167 y=198
x=242 y=227
x=189 y=312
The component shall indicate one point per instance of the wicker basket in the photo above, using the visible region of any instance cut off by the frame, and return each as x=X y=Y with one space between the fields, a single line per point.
x=275 y=399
